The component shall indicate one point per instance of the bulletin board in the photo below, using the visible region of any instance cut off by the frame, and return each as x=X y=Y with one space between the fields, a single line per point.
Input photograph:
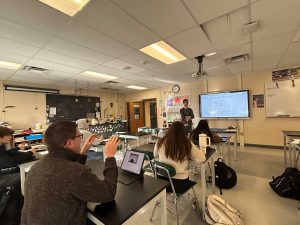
x=70 y=107
x=177 y=100
x=174 y=104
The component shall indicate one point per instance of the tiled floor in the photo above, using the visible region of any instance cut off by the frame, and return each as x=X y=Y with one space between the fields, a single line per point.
x=252 y=195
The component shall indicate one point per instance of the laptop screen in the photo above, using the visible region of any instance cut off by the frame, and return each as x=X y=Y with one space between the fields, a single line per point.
x=133 y=162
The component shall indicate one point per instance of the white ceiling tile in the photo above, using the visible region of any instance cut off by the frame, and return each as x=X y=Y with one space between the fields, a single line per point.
x=77 y=51
x=110 y=71
x=235 y=51
x=186 y=66
x=138 y=58
x=10 y=57
x=17 y=48
x=292 y=56
x=63 y=59
x=5 y=73
x=205 y=10
x=168 y=73
x=119 y=64
x=23 y=34
x=275 y=17
x=105 y=16
x=148 y=73
x=191 y=43
x=170 y=17
x=54 y=66
x=34 y=14
x=266 y=63
x=52 y=75
x=226 y=32
x=89 y=80
x=241 y=67
x=88 y=37
x=32 y=80
x=271 y=46
x=65 y=84
x=213 y=61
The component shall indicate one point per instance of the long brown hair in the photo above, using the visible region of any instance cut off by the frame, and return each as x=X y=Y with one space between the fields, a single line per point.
x=177 y=145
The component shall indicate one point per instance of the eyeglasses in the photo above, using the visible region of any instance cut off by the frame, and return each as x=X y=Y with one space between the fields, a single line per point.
x=80 y=135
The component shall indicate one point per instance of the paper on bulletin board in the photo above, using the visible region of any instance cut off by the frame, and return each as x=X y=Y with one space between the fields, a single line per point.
x=52 y=111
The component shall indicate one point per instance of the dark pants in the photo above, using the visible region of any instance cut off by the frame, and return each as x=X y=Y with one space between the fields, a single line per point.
x=12 y=209
x=180 y=185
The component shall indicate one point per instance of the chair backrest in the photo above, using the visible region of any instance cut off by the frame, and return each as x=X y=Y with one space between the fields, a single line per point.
x=165 y=170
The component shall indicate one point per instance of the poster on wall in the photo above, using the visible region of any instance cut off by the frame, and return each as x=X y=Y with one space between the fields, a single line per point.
x=136 y=108
x=258 y=101
x=177 y=100
x=286 y=74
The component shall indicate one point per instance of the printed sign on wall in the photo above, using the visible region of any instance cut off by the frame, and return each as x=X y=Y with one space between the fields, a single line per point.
x=258 y=101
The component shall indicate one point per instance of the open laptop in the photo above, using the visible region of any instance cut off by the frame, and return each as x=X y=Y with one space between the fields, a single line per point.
x=132 y=167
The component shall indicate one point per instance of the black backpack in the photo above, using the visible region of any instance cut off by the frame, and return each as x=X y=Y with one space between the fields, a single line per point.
x=287 y=184
x=225 y=176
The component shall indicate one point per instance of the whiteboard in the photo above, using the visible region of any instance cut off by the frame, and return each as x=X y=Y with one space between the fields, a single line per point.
x=282 y=99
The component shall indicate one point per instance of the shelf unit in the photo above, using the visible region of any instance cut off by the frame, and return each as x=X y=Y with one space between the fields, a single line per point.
x=19 y=138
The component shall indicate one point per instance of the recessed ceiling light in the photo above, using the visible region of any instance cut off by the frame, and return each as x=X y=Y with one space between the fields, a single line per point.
x=9 y=65
x=211 y=54
x=69 y=7
x=163 y=52
x=98 y=75
x=136 y=87
x=296 y=37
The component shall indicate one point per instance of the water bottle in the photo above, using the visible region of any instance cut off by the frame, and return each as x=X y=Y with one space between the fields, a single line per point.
x=204 y=141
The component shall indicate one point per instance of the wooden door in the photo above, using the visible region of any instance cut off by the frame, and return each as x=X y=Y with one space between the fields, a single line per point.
x=136 y=116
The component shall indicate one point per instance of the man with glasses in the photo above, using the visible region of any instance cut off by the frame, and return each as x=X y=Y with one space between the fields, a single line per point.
x=59 y=185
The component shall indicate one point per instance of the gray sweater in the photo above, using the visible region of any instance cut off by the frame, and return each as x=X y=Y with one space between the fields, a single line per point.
x=58 y=187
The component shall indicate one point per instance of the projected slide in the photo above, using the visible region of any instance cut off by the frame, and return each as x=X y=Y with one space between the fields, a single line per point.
x=224 y=105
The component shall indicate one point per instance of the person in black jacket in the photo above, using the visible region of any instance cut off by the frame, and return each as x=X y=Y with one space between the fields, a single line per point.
x=12 y=157
x=11 y=210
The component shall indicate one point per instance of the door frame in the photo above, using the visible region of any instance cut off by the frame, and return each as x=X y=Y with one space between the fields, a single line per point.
x=150 y=99
x=128 y=111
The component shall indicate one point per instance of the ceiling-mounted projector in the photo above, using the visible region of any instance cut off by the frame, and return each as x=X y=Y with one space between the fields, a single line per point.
x=200 y=73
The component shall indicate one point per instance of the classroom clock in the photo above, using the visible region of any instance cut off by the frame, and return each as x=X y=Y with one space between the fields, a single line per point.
x=175 y=88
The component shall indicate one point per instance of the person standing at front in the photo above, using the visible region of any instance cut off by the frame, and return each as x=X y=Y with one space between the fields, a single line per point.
x=187 y=115
x=58 y=186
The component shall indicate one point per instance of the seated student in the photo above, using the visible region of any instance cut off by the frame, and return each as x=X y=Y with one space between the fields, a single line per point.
x=58 y=186
x=83 y=127
x=203 y=128
x=14 y=156
x=11 y=178
x=176 y=150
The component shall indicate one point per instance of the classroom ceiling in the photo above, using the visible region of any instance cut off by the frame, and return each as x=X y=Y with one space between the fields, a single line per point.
x=106 y=36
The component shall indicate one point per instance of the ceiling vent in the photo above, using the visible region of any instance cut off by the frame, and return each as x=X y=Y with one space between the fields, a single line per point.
x=238 y=58
x=35 y=69
x=251 y=27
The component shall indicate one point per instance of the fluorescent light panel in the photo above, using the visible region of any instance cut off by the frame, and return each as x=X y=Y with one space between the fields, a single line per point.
x=163 y=52
x=69 y=7
x=136 y=87
x=30 y=89
x=98 y=75
x=211 y=54
x=9 y=65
